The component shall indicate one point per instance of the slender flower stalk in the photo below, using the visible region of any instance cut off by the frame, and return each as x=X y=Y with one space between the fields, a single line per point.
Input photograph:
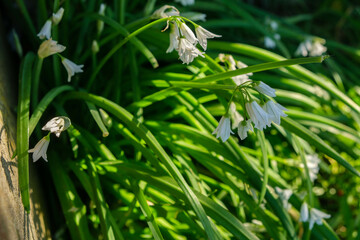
x=57 y=125
x=71 y=68
x=45 y=31
x=202 y=34
x=223 y=130
x=49 y=47
x=40 y=149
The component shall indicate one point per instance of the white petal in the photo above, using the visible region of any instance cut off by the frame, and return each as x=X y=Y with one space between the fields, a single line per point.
x=188 y=33
x=71 y=68
x=45 y=31
x=304 y=212
x=223 y=130
x=202 y=34
x=265 y=89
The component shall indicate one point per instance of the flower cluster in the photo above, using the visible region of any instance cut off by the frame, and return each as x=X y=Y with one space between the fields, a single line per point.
x=261 y=115
x=55 y=125
x=50 y=47
x=182 y=38
x=312 y=47
x=269 y=41
x=312 y=216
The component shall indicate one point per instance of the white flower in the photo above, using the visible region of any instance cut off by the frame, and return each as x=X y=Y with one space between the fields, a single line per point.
x=312 y=162
x=100 y=23
x=186 y=2
x=265 y=89
x=49 y=47
x=187 y=33
x=165 y=11
x=202 y=34
x=223 y=130
x=174 y=38
x=274 y=111
x=71 y=68
x=317 y=49
x=233 y=65
x=243 y=128
x=269 y=43
x=45 y=31
x=304 y=212
x=57 y=125
x=310 y=47
x=284 y=195
x=257 y=115
x=56 y=17
x=316 y=216
x=187 y=51
x=40 y=149
x=235 y=115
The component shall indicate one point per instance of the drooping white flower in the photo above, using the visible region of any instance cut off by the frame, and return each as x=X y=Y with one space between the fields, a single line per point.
x=71 y=68
x=304 y=212
x=187 y=51
x=40 y=149
x=49 y=47
x=257 y=115
x=312 y=162
x=100 y=23
x=56 y=17
x=223 y=130
x=265 y=89
x=45 y=31
x=202 y=34
x=284 y=195
x=186 y=2
x=174 y=37
x=316 y=216
x=188 y=33
x=165 y=11
x=317 y=49
x=243 y=128
x=57 y=125
x=235 y=115
x=275 y=111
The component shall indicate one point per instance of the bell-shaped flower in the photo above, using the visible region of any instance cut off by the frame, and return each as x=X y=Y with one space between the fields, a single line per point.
x=71 y=68
x=284 y=195
x=174 y=37
x=312 y=162
x=223 y=130
x=316 y=216
x=56 y=17
x=187 y=51
x=100 y=23
x=265 y=89
x=45 y=31
x=57 y=125
x=202 y=34
x=269 y=43
x=40 y=149
x=257 y=115
x=317 y=49
x=188 y=33
x=243 y=128
x=275 y=111
x=304 y=212
x=186 y=2
x=235 y=115
x=49 y=47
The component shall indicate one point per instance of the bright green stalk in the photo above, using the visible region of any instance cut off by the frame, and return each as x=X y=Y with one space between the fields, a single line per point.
x=118 y=46
x=145 y=134
x=22 y=140
x=265 y=159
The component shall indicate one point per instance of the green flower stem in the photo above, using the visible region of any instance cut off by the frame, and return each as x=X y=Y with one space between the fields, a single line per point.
x=145 y=134
x=36 y=82
x=265 y=159
x=260 y=67
x=22 y=140
x=118 y=46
